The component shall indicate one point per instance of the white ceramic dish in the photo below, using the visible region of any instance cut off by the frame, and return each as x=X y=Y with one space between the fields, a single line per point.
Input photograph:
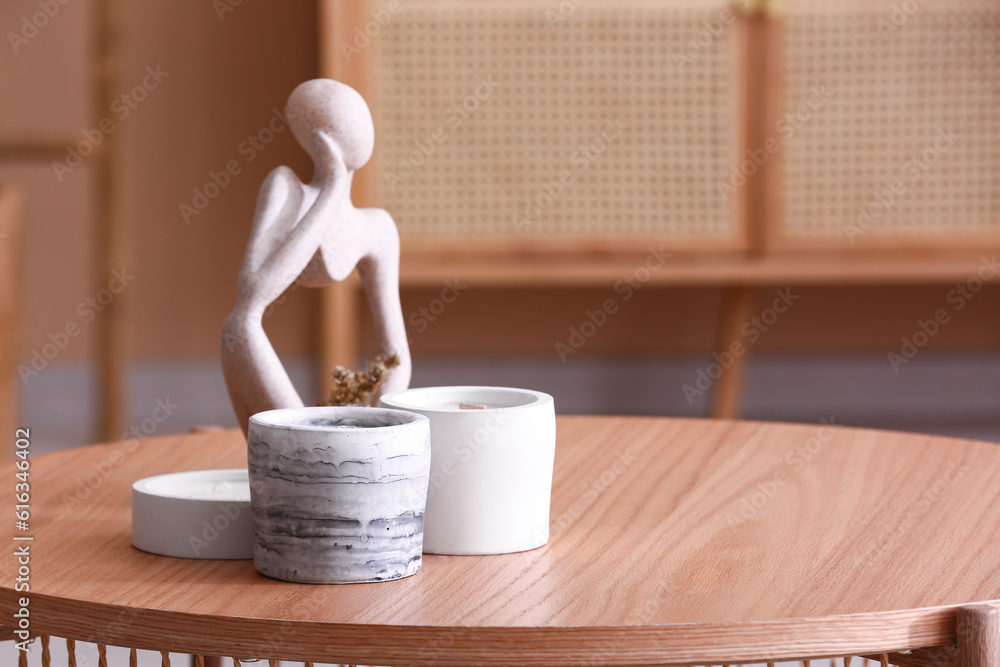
x=204 y=514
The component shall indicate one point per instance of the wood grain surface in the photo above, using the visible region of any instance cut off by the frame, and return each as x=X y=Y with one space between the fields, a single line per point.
x=672 y=541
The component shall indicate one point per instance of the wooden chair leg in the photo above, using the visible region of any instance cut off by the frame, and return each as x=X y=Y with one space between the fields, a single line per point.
x=727 y=397
x=339 y=323
x=978 y=636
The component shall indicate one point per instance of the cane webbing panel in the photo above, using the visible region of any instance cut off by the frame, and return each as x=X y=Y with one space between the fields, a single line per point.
x=908 y=144
x=538 y=81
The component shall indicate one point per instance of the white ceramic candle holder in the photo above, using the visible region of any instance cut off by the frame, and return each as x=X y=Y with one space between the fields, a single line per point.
x=338 y=494
x=491 y=467
x=203 y=514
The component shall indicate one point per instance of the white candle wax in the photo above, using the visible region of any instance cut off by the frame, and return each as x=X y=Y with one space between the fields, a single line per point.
x=207 y=490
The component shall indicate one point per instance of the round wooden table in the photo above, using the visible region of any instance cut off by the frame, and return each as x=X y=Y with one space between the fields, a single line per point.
x=673 y=541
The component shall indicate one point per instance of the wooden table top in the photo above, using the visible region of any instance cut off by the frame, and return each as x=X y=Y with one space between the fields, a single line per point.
x=673 y=541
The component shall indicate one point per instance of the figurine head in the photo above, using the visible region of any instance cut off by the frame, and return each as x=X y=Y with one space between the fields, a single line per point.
x=336 y=109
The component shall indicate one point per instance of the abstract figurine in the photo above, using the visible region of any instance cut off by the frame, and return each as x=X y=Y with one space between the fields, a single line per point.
x=313 y=234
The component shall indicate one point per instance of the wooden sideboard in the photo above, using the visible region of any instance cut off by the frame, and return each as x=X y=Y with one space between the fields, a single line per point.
x=528 y=143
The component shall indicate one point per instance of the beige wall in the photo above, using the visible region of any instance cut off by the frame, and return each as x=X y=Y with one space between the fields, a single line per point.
x=225 y=77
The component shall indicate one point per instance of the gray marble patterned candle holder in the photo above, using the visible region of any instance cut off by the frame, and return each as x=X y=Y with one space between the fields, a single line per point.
x=338 y=493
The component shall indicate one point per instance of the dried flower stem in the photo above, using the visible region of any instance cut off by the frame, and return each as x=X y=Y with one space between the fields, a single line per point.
x=359 y=388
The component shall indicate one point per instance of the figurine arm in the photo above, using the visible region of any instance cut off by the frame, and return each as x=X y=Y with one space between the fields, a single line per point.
x=255 y=376
x=278 y=205
x=280 y=248
x=379 y=270
x=297 y=246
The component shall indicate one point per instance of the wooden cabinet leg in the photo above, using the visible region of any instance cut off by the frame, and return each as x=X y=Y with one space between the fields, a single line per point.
x=732 y=352
x=339 y=323
x=978 y=636
x=112 y=329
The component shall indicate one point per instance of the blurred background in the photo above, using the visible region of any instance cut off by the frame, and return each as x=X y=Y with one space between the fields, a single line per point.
x=675 y=208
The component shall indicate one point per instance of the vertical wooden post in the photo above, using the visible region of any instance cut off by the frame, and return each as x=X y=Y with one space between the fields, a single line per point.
x=339 y=319
x=978 y=635
x=112 y=328
x=339 y=324
x=758 y=30
x=737 y=304
x=757 y=206
x=10 y=241
x=767 y=200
